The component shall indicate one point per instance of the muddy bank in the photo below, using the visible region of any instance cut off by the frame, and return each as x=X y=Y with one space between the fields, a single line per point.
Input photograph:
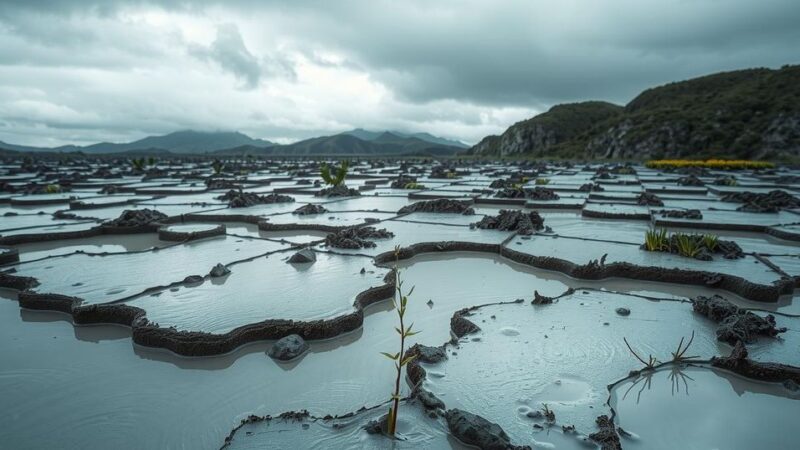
x=193 y=343
x=169 y=233
x=594 y=270
x=740 y=364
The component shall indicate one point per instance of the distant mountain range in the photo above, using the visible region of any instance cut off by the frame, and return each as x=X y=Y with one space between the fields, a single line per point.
x=750 y=114
x=357 y=142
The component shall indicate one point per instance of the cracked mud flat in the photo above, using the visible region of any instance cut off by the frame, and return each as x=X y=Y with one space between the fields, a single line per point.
x=124 y=340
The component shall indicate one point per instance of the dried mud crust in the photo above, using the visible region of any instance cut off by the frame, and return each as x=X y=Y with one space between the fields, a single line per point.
x=771 y=202
x=512 y=220
x=241 y=199
x=442 y=205
x=596 y=270
x=357 y=237
x=607 y=435
x=735 y=324
x=194 y=343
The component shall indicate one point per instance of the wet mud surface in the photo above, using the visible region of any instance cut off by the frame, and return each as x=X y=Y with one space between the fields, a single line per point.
x=545 y=324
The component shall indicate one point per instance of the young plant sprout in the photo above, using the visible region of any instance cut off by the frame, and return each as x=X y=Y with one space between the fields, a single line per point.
x=400 y=301
x=334 y=180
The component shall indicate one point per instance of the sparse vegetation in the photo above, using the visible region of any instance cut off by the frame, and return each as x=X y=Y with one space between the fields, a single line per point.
x=414 y=186
x=656 y=240
x=542 y=181
x=710 y=241
x=52 y=188
x=400 y=360
x=217 y=166
x=338 y=178
x=687 y=246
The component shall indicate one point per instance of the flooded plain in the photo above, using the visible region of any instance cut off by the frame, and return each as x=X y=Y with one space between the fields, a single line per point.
x=138 y=310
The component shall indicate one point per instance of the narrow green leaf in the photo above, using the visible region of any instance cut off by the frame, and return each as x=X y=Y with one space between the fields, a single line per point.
x=390 y=356
x=407 y=360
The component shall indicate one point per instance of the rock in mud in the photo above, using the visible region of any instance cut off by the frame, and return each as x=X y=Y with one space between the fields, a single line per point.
x=607 y=436
x=192 y=279
x=511 y=192
x=357 y=237
x=539 y=299
x=426 y=354
x=623 y=312
x=402 y=181
x=338 y=191
x=219 y=271
x=442 y=205
x=428 y=399
x=241 y=199
x=648 y=199
x=735 y=324
x=288 y=348
x=136 y=218
x=304 y=256
x=512 y=220
x=771 y=202
x=591 y=187
x=461 y=326
x=380 y=426
x=309 y=209
x=474 y=430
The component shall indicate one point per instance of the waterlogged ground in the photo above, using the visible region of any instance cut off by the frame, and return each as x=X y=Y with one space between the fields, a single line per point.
x=79 y=371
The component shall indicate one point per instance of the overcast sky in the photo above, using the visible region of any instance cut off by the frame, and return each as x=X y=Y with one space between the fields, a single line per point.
x=86 y=71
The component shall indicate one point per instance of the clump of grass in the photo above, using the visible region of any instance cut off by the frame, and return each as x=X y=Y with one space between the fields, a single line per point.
x=52 y=188
x=542 y=181
x=414 y=186
x=687 y=245
x=452 y=175
x=656 y=240
x=400 y=360
x=217 y=166
x=337 y=179
x=710 y=242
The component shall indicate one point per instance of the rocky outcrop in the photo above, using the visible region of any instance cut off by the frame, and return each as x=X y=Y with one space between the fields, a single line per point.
x=136 y=218
x=241 y=199
x=735 y=324
x=309 y=209
x=288 y=348
x=356 y=237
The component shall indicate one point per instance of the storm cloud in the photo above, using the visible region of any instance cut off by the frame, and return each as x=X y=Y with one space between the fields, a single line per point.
x=80 y=72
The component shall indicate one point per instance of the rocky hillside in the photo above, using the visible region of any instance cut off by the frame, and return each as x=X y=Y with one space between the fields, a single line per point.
x=752 y=114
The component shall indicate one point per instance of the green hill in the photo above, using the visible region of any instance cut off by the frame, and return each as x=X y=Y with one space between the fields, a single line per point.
x=753 y=114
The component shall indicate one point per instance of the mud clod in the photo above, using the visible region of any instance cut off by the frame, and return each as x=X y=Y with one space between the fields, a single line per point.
x=649 y=199
x=355 y=238
x=136 y=218
x=771 y=202
x=512 y=220
x=304 y=256
x=309 y=209
x=338 y=191
x=607 y=436
x=241 y=199
x=735 y=324
x=442 y=205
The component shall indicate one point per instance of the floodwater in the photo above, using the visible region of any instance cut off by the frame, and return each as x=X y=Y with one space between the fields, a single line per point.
x=89 y=386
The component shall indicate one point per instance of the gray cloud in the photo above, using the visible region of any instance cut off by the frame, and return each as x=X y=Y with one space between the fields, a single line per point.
x=116 y=69
x=228 y=50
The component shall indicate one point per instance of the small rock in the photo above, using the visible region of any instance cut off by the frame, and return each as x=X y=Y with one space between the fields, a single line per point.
x=219 y=271
x=193 y=279
x=304 y=256
x=623 y=311
x=288 y=348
